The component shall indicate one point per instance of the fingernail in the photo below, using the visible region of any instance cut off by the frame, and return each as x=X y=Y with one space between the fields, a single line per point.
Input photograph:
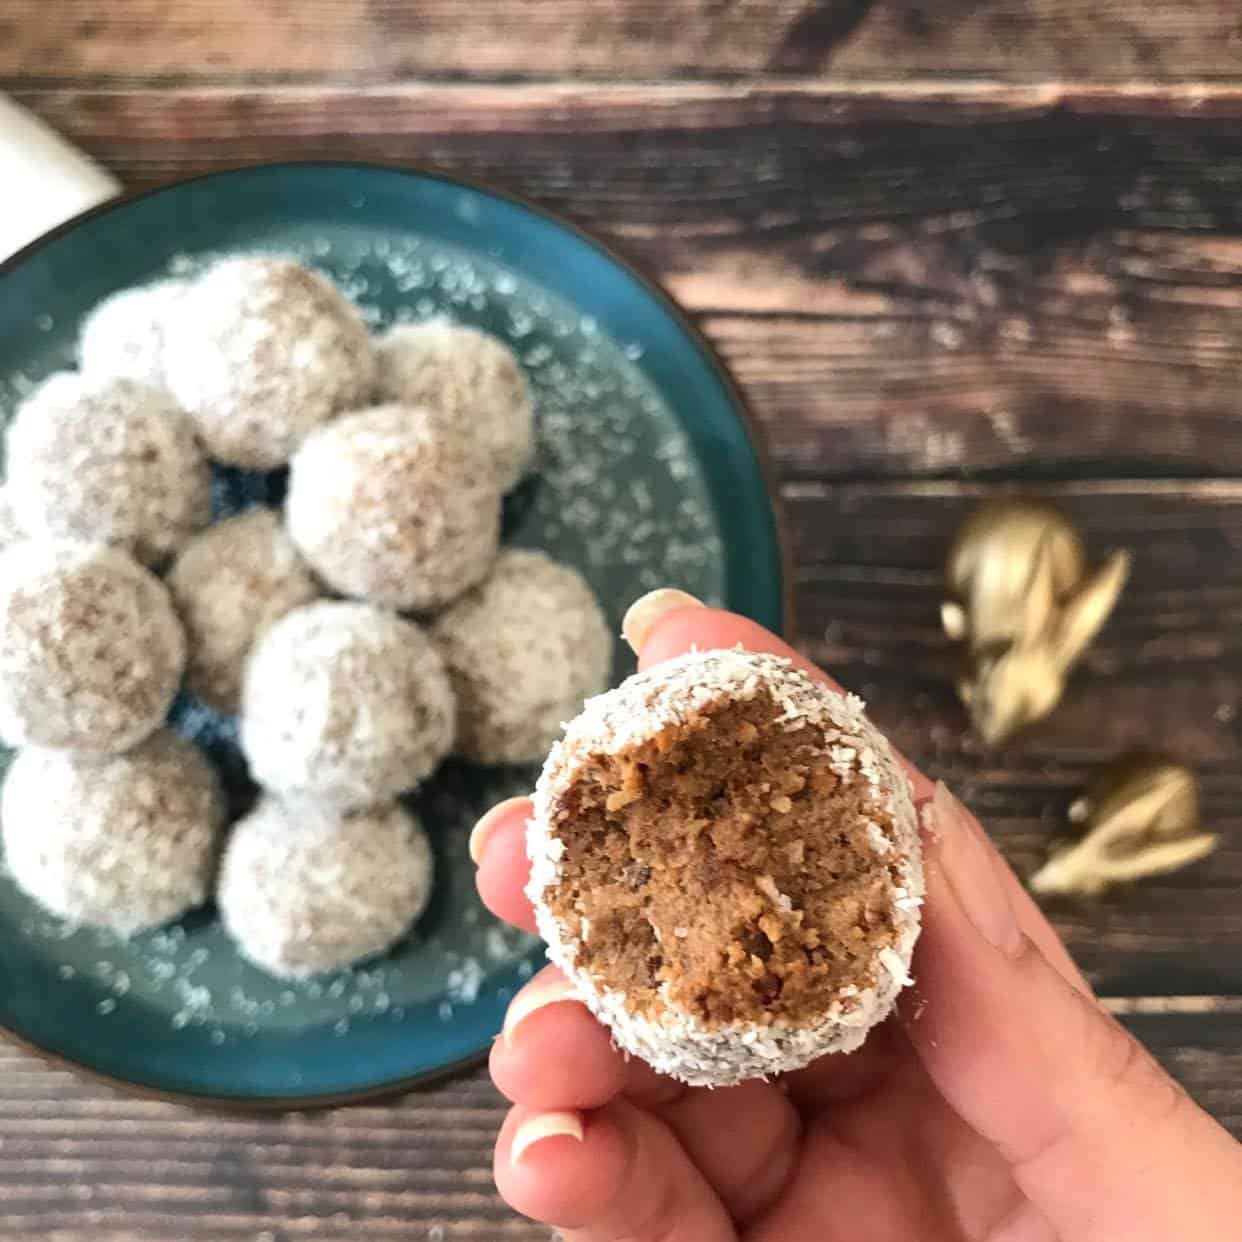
x=974 y=871
x=479 y=833
x=641 y=616
x=536 y=997
x=544 y=1126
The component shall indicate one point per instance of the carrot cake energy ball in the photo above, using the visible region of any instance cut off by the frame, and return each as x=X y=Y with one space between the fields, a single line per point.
x=111 y=460
x=229 y=584
x=344 y=703
x=523 y=650
x=260 y=351
x=305 y=890
x=471 y=381
x=91 y=651
x=387 y=508
x=725 y=861
x=123 y=337
x=124 y=842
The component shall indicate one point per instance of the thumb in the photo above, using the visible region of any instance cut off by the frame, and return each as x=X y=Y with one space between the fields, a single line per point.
x=1099 y=1138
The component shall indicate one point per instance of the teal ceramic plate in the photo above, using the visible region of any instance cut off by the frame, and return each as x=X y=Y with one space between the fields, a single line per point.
x=648 y=475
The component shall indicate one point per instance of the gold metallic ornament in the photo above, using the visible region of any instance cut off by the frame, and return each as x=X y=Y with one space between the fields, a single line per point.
x=1022 y=599
x=1140 y=817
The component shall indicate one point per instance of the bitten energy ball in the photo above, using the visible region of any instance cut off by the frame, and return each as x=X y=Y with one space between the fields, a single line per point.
x=469 y=381
x=124 y=842
x=229 y=584
x=108 y=460
x=260 y=351
x=91 y=651
x=523 y=650
x=123 y=337
x=388 y=509
x=304 y=891
x=344 y=703
x=726 y=862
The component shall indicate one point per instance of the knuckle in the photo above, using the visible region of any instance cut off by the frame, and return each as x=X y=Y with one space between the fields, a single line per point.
x=1153 y=1096
x=662 y=1224
x=772 y=1169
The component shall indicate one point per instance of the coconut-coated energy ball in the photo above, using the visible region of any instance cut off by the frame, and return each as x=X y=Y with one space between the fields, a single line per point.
x=260 y=351
x=387 y=508
x=229 y=584
x=344 y=703
x=469 y=381
x=304 y=890
x=123 y=337
x=725 y=861
x=91 y=651
x=109 y=460
x=124 y=842
x=523 y=650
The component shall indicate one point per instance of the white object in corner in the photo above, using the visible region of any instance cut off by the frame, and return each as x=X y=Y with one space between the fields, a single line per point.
x=43 y=180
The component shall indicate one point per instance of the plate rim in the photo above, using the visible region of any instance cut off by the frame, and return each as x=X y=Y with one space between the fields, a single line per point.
x=254 y=1105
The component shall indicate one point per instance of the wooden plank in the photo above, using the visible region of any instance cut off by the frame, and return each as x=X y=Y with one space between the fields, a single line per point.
x=1166 y=672
x=1204 y=1054
x=85 y=1164
x=76 y=40
x=904 y=283
x=146 y=1171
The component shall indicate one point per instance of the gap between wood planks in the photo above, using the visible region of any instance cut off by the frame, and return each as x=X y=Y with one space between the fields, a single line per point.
x=974 y=96
x=1124 y=1005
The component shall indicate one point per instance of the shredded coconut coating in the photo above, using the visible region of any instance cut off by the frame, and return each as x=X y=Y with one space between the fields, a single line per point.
x=344 y=703
x=124 y=842
x=91 y=651
x=229 y=584
x=110 y=460
x=123 y=337
x=523 y=650
x=676 y=1042
x=469 y=381
x=260 y=351
x=10 y=529
x=388 y=509
x=304 y=891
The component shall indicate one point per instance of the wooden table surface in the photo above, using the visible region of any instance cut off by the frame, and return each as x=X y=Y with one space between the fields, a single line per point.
x=949 y=247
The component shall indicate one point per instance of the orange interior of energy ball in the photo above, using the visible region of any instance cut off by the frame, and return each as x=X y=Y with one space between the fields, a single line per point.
x=724 y=866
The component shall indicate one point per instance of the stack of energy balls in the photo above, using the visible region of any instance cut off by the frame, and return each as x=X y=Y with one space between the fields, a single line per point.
x=364 y=634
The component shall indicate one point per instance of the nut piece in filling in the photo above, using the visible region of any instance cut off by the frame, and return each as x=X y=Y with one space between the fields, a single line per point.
x=725 y=861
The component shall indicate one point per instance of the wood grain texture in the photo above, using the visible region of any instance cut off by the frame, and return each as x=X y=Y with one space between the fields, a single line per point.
x=366 y=40
x=985 y=283
x=83 y=1164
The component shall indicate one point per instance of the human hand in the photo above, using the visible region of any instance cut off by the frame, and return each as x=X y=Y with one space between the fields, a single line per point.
x=1001 y=1104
